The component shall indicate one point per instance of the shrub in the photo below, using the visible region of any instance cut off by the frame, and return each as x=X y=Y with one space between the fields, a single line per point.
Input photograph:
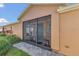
x=13 y=39
x=4 y=46
x=6 y=43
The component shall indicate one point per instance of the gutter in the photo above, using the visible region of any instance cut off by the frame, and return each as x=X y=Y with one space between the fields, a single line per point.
x=67 y=8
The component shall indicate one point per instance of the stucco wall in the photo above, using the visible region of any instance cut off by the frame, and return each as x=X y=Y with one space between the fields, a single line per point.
x=1 y=29
x=38 y=10
x=69 y=32
x=7 y=27
x=14 y=27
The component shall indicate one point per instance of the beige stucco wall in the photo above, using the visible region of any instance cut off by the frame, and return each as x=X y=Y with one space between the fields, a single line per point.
x=69 y=32
x=1 y=29
x=15 y=28
x=38 y=10
x=8 y=27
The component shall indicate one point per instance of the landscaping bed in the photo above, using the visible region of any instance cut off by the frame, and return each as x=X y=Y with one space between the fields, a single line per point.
x=6 y=43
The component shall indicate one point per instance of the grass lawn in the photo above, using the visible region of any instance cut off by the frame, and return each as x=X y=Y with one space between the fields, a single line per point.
x=11 y=51
x=2 y=37
x=16 y=52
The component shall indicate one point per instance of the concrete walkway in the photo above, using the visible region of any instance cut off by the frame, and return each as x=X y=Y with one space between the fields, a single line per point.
x=34 y=50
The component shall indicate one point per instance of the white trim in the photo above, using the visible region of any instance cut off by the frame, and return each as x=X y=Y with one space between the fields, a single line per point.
x=68 y=8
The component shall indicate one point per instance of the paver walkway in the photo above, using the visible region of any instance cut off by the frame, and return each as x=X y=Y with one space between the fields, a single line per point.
x=34 y=50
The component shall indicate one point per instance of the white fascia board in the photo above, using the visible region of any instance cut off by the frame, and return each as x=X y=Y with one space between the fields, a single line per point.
x=68 y=8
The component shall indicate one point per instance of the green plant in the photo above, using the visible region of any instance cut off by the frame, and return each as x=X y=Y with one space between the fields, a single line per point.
x=4 y=46
x=13 y=39
x=6 y=43
x=16 y=52
x=2 y=34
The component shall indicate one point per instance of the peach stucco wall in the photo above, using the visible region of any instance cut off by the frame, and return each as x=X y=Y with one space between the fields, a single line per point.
x=1 y=29
x=7 y=27
x=15 y=28
x=38 y=10
x=69 y=32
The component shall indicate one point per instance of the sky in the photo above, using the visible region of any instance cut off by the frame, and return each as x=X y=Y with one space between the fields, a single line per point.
x=10 y=12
